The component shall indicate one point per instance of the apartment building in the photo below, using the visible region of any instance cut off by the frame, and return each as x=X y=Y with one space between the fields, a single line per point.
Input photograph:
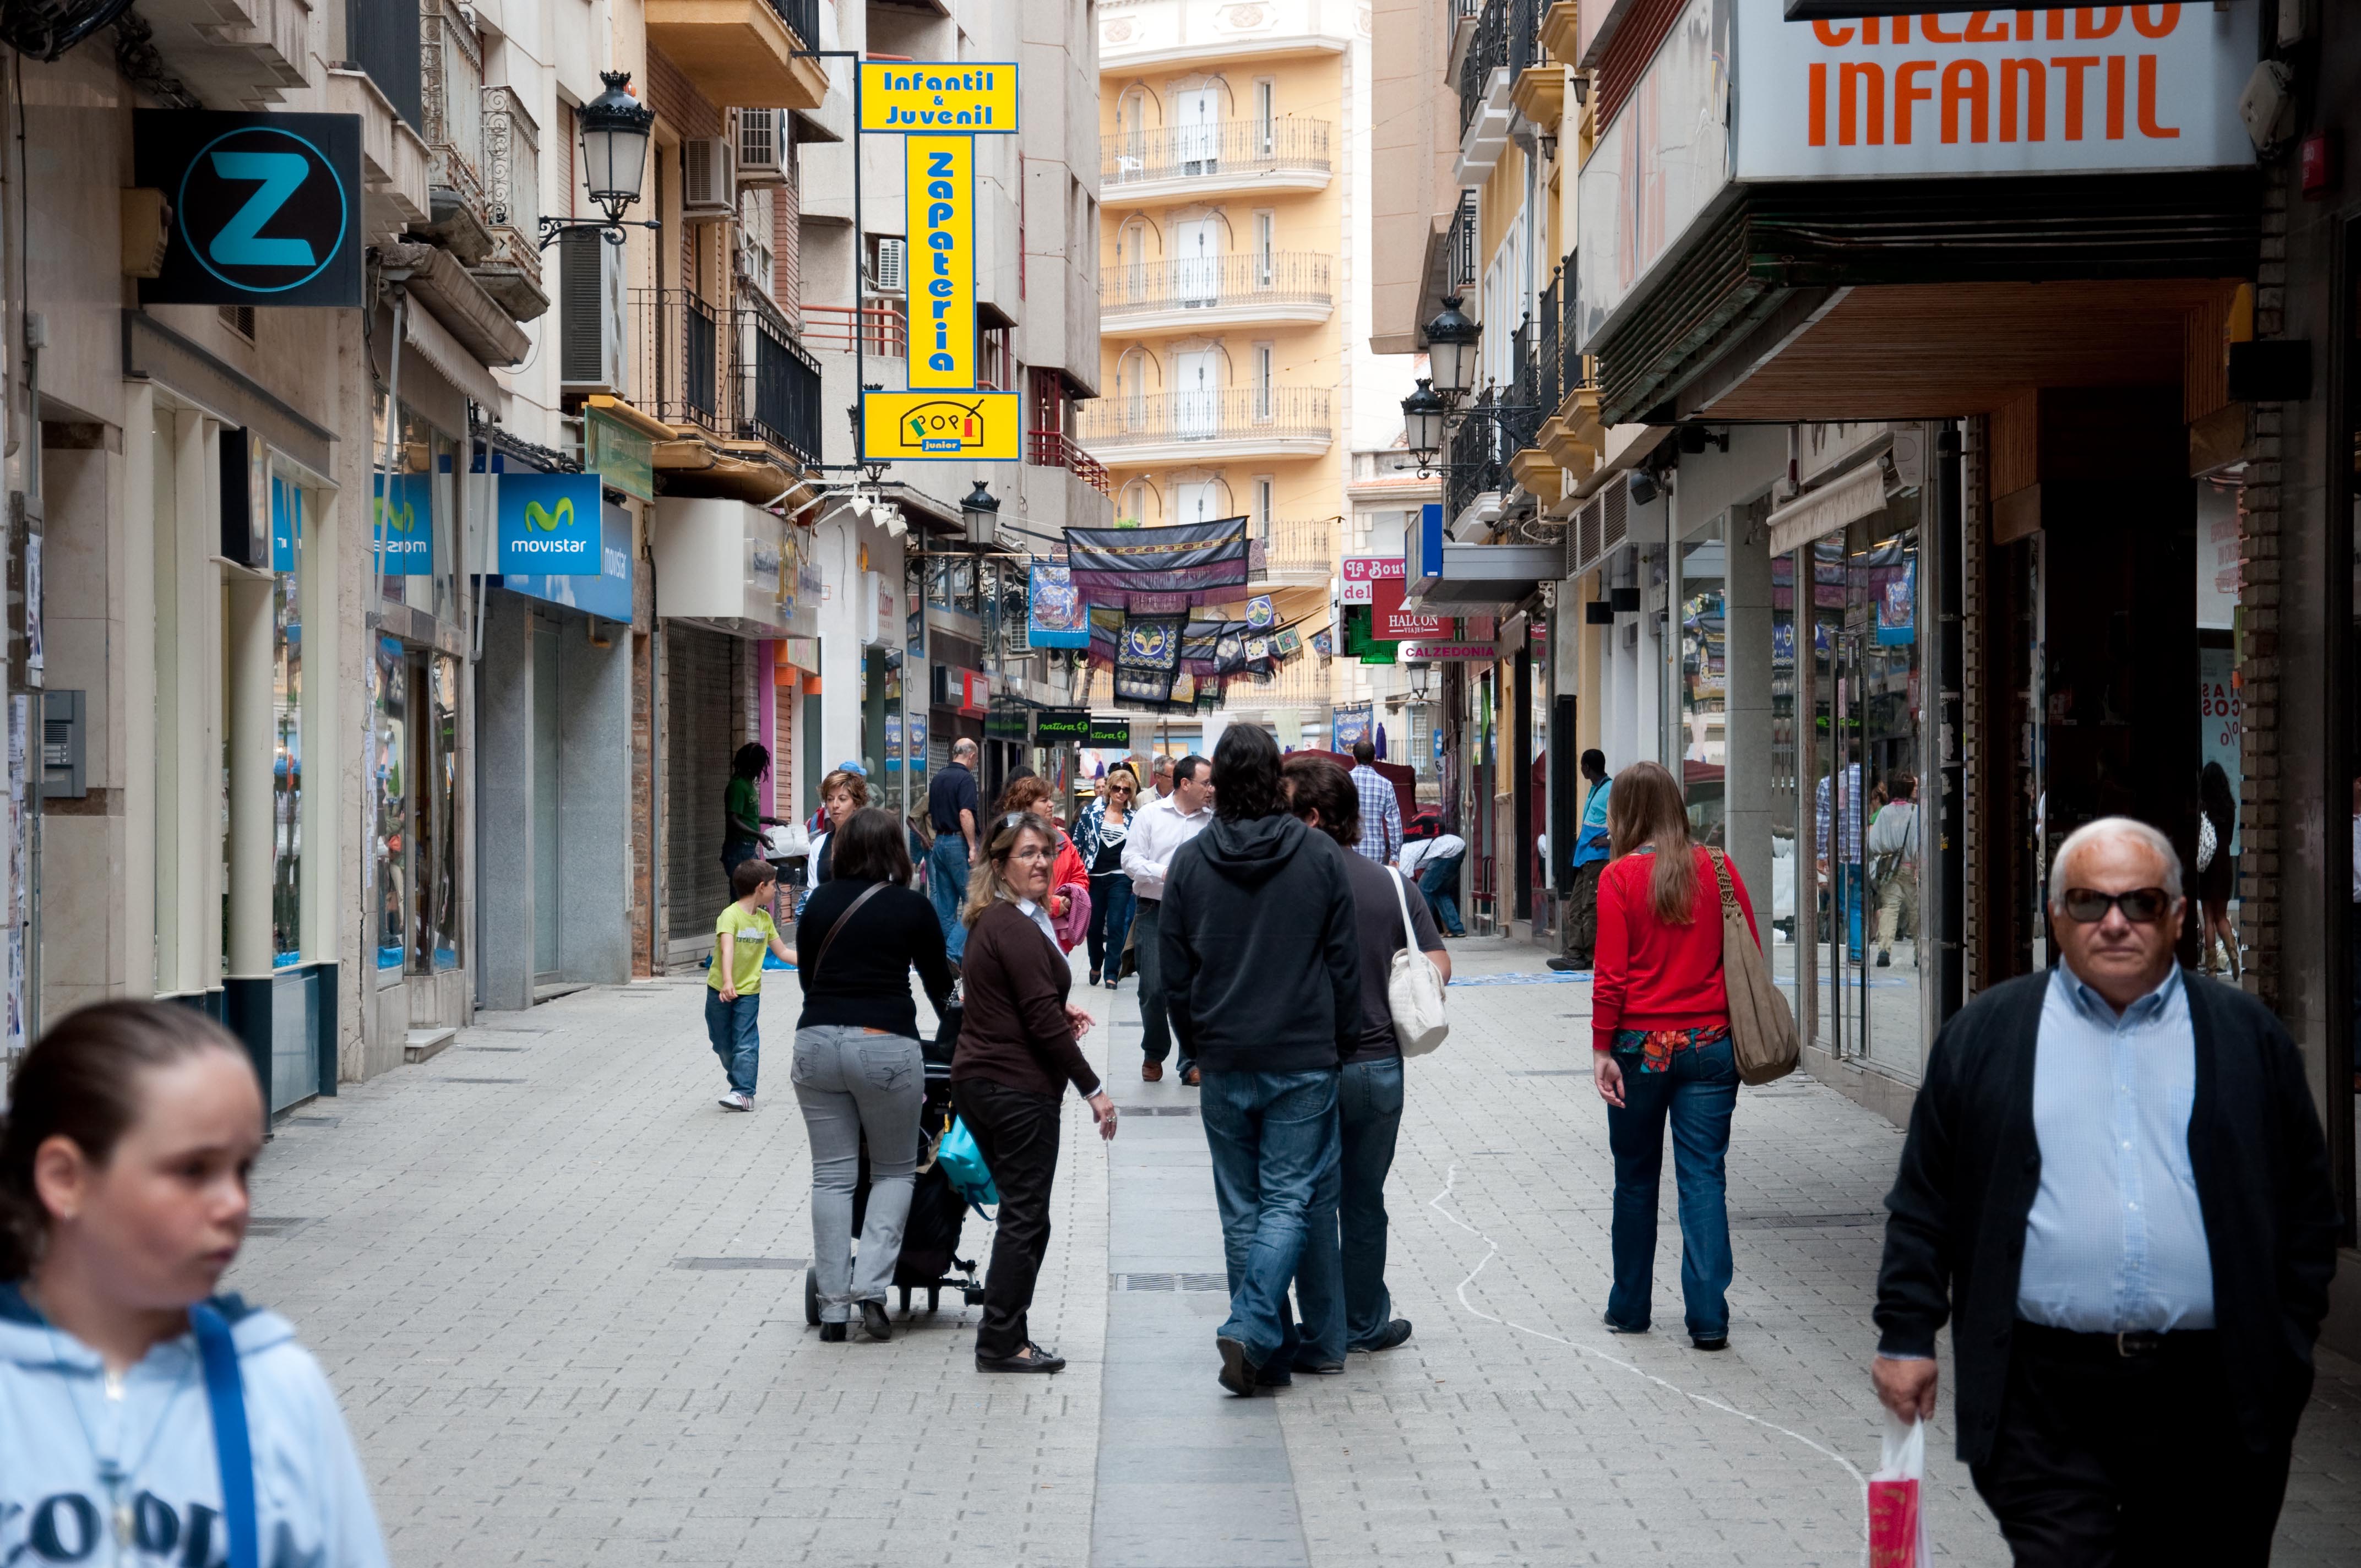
x=1235 y=171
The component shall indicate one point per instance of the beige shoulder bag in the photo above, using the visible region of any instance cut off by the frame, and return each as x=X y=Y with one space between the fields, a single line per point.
x=1762 y=1026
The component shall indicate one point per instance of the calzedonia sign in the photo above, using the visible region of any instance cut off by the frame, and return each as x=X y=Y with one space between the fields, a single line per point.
x=266 y=209
x=938 y=110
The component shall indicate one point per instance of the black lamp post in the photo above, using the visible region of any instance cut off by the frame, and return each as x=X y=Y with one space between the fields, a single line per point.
x=1451 y=340
x=1423 y=413
x=615 y=130
x=980 y=512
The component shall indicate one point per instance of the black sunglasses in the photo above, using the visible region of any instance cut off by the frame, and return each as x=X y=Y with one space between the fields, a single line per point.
x=2141 y=905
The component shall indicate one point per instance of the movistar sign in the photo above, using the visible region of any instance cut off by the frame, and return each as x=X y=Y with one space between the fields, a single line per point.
x=549 y=524
x=266 y=209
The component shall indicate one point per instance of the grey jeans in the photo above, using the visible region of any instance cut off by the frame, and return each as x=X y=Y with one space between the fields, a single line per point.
x=850 y=1080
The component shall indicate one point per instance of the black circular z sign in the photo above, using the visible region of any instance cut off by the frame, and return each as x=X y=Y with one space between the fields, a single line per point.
x=266 y=209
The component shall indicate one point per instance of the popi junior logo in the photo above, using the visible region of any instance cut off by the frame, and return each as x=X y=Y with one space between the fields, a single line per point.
x=942 y=425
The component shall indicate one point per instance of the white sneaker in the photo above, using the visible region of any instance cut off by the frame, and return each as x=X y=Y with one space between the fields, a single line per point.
x=733 y=1101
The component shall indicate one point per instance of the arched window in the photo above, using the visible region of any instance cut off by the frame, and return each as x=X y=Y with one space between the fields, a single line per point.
x=1139 y=505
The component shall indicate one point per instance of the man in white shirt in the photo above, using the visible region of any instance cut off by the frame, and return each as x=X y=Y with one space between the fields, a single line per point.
x=1157 y=831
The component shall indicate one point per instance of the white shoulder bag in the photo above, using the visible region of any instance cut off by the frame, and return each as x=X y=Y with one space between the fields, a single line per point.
x=1414 y=989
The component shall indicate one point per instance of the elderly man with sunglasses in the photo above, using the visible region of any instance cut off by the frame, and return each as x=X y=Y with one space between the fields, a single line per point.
x=2117 y=1190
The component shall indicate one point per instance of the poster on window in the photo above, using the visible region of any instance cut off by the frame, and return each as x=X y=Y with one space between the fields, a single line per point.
x=2218 y=708
x=1897 y=599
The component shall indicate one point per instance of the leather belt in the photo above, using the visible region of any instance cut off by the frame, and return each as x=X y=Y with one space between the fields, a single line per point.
x=2128 y=1344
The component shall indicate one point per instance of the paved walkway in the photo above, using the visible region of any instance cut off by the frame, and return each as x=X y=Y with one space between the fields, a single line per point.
x=560 y=1292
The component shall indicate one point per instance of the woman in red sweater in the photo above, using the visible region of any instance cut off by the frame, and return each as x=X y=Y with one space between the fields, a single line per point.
x=1660 y=1040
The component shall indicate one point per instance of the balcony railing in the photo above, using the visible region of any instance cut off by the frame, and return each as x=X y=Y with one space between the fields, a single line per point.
x=1056 y=449
x=1573 y=369
x=1214 y=149
x=1216 y=282
x=512 y=180
x=802 y=18
x=777 y=382
x=1463 y=242
x=1506 y=38
x=1479 y=455
x=880 y=327
x=1231 y=414
x=736 y=373
x=1298 y=546
x=451 y=70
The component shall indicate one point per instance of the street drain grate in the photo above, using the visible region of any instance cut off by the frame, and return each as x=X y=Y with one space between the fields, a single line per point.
x=277 y=1227
x=782 y=1264
x=1214 y=1284
x=1803 y=1221
x=479 y=1081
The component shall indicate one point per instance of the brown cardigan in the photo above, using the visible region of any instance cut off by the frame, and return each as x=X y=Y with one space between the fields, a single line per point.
x=1015 y=1031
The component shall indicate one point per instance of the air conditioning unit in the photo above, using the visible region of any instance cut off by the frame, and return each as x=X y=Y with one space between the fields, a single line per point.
x=589 y=313
x=708 y=183
x=764 y=146
x=893 y=267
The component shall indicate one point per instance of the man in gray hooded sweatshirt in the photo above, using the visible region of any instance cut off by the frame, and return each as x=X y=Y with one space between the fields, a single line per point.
x=1262 y=981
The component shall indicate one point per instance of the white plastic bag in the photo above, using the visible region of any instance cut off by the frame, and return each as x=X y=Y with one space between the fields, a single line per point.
x=785 y=842
x=1897 y=1511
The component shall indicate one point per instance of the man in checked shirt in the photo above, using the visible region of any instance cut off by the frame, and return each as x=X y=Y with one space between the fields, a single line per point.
x=1381 y=830
x=1846 y=811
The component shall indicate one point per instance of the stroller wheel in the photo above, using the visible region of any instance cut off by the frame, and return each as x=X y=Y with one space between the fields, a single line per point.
x=811 y=1297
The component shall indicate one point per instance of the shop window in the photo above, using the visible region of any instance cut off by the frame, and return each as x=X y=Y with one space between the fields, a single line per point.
x=414 y=523
x=389 y=678
x=435 y=807
x=287 y=552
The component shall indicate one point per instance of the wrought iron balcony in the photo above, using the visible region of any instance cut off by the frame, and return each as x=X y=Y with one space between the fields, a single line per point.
x=1479 y=455
x=451 y=70
x=1216 y=150
x=734 y=373
x=1288 y=281
x=1259 y=417
x=777 y=382
x=1056 y=449
x=1506 y=39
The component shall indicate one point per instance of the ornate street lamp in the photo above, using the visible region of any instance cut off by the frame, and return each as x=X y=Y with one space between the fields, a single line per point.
x=1423 y=413
x=615 y=129
x=1451 y=341
x=980 y=512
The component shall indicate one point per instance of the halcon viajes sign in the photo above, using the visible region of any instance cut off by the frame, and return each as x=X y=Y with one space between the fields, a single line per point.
x=2086 y=89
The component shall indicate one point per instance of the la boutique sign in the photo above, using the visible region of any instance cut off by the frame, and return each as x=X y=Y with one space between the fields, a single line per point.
x=2084 y=89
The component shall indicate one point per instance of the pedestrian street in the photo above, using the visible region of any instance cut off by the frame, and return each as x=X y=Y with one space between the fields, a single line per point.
x=560 y=1294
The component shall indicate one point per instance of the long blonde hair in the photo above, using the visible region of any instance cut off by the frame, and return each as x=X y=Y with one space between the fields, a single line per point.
x=987 y=880
x=1645 y=810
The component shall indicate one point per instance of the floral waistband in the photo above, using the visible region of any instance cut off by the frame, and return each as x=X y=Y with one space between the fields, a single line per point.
x=1655 y=1048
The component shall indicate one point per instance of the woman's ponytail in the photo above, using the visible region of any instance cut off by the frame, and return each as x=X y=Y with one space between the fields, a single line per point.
x=80 y=1082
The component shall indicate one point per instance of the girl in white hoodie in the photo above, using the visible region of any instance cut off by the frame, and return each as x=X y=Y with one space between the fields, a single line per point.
x=123 y=1157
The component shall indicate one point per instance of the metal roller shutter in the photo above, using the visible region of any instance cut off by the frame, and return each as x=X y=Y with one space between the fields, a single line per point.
x=697 y=743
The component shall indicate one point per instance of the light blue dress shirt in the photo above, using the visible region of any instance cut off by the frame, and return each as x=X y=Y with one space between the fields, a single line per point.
x=2115 y=1240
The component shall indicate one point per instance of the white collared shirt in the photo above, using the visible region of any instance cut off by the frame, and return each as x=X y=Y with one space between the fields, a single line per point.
x=1157 y=831
x=1040 y=917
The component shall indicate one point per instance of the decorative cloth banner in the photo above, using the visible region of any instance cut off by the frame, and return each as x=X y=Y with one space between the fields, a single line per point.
x=1287 y=643
x=1352 y=723
x=1258 y=655
x=1054 y=615
x=1197 y=645
x=1230 y=649
x=1150 y=642
x=1192 y=560
x=1142 y=685
x=1107 y=634
x=1261 y=617
x=1324 y=644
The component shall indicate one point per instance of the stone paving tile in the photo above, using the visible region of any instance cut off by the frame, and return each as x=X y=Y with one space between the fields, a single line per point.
x=488 y=1276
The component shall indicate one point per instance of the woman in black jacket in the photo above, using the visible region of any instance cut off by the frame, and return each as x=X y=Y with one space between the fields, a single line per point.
x=857 y=1066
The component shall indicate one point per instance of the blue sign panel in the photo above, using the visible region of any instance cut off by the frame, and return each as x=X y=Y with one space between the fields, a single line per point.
x=404 y=525
x=609 y=594
x=266 y=209
x=286 y=522
x=1427 y=543
x=550 y=524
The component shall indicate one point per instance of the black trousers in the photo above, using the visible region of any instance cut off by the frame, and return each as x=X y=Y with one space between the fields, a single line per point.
x=2107 y=1461
x=1017 y=1131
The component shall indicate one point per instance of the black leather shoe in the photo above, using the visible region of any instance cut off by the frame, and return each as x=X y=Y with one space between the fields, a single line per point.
x=1237 y=1374
x=874 y=1322
x=1721 y=1343
x=1615 y=1328
x=1035 y=1359
x=831 y=1333
x=1319 y=1369
x=1272 y=1374
x=1392 y=1334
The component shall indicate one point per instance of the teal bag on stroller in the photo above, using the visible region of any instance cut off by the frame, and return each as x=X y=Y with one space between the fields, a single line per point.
x=964 y=1162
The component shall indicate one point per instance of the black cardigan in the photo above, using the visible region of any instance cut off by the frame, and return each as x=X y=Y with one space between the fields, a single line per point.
x=1955 y=1231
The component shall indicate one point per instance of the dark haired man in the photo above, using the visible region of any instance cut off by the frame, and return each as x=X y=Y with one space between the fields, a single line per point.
x=1158 y=832
x=1589 y=860
x=1260 y=963
x=1381 y=824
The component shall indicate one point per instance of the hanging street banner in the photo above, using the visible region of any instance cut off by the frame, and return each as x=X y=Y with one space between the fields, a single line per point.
x=264 y=209
x=550 y=524
x=940 y=219
x=900 y=98
x=979 y=427
x=1055 y=616
x=1111 y=565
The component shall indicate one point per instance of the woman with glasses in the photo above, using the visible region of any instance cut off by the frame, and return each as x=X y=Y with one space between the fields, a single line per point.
x=1070 y=882
x=1660 y=1038
x=1100 y=835
x=1019 y=1046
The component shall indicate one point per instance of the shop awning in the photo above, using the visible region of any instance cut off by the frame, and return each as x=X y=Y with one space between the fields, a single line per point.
x=434 y=343
x=1832 y=506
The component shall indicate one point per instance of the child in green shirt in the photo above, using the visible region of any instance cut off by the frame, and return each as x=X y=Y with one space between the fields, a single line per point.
x=734 y=1002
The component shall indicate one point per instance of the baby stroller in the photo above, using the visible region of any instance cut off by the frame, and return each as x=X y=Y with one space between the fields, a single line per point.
x=930 y=1240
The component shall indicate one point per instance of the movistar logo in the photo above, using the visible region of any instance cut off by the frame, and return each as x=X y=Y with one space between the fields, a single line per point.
x=401 y=522
x=546 y=520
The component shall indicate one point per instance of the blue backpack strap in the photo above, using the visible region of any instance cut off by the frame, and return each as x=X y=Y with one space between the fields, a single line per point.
x=226 y=1394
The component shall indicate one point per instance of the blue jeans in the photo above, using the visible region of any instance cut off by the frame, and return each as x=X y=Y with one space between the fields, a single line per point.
x=731 y=1026
x=1370 y=1110
x=1848 y=885
x=1275 y=1144
x=1439 y=880
x=947 y=886
x=1696 y=1093
x=1112 y=904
